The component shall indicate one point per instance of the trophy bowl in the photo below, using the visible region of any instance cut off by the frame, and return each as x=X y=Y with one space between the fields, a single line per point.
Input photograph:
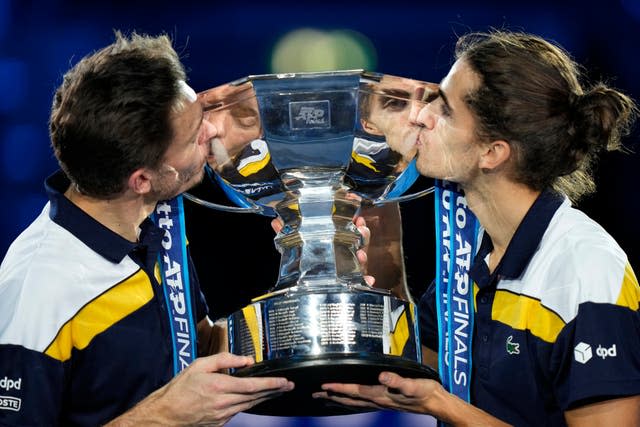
x=314 y=149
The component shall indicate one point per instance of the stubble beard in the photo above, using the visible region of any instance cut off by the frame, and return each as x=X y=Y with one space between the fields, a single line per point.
x=171 y=185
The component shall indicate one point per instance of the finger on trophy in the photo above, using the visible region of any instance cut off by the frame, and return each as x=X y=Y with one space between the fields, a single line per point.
x=277 y=224
x=361 y=225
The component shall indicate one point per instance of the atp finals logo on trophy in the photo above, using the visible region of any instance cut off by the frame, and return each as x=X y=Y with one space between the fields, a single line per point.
x=313 y=149
x=310 y=115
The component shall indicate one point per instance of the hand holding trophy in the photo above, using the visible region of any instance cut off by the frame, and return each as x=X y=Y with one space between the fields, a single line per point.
x=313 y=149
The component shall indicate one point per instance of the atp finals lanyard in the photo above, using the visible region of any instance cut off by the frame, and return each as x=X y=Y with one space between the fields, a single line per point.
x=169 y=215
x=457 y=232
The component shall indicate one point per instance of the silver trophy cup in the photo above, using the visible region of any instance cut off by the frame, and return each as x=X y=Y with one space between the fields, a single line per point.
x=314 y=148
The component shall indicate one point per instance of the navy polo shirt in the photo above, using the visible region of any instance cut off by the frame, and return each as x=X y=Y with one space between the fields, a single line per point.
x=84 y=330
x=556 y=324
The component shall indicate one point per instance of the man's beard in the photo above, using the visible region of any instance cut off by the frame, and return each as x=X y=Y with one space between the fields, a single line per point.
x=173 y=182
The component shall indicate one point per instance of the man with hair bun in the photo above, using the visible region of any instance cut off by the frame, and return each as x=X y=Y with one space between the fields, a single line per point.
x=557 y=326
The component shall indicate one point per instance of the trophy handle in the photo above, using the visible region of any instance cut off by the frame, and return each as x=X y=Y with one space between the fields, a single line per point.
x=395 y=194
x=245 y=204
x=405 y=197
x=248 y=209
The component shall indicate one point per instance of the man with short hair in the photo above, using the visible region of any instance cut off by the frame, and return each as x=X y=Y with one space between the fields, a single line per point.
x=102 y=316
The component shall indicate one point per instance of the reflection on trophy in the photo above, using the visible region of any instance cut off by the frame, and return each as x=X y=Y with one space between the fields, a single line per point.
x=314 y=148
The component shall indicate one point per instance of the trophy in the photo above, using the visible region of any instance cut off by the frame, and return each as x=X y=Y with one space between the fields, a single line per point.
x=313 y=149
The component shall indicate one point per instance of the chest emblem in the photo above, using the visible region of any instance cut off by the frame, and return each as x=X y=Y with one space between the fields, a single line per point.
x=512 y=347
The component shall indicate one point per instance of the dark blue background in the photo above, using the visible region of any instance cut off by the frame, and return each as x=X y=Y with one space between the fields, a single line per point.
x=221 y=41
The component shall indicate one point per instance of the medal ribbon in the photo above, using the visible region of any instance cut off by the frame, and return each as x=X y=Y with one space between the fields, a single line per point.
x=456 y=238
x=169 y=215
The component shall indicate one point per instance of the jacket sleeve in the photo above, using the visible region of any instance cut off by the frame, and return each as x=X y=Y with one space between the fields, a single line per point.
x=31 y=387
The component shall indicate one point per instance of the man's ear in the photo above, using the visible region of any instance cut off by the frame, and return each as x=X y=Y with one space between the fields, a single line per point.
x=140 y=181
x=496 y=155
x=370 y=128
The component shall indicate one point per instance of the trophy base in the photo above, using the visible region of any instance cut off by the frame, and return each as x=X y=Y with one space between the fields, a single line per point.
x=309 y=373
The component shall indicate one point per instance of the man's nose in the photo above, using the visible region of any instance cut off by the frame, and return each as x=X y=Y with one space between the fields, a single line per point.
x=421 y=115
x=208 y=131
x=414 y=113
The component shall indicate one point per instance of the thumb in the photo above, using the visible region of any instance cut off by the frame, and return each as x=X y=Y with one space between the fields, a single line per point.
x=397 y=384
x=391 y=380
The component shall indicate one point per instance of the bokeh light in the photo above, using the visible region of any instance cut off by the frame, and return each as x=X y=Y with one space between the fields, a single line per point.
x=309 y=49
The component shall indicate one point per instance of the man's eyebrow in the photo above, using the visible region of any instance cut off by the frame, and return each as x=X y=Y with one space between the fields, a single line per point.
x=396 y=93
x=444 y=98
x=244 y=111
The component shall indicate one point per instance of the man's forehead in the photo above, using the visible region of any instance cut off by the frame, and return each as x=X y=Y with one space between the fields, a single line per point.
x=461 y=78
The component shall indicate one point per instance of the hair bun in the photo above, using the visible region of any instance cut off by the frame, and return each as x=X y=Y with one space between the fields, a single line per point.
x=601 y=116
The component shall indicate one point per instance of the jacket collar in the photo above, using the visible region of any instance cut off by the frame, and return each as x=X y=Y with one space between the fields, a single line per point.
x=99 y=238
x=524 y=242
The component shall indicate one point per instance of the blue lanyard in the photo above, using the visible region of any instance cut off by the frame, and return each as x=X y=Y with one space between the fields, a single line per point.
x=457 y=233
x=169 y=215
